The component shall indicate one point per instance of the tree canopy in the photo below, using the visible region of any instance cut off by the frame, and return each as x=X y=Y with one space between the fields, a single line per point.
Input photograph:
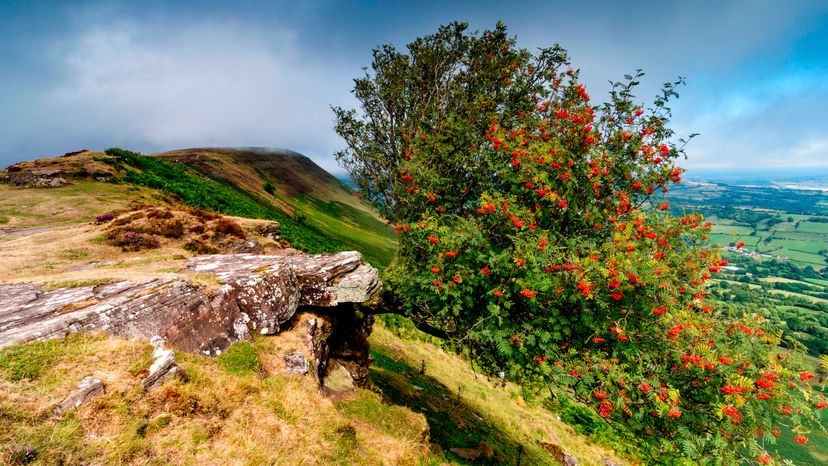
x=533 y=236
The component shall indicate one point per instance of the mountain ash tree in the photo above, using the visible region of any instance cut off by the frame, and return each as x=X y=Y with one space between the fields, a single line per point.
x=533 y=235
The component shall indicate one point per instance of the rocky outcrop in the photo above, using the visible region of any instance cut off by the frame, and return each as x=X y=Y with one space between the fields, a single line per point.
x=87 y=388
x=270 y=231
x=255 y=294
x=36 y=178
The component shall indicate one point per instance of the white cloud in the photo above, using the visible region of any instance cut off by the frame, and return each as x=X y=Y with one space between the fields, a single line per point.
x=202 y=84
x=778 y=122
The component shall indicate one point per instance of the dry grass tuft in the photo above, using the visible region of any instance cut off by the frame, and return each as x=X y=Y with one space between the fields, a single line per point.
x=195 y=230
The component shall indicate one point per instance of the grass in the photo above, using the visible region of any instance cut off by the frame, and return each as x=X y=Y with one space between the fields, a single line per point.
x=53 y=285
x=240 y=359
x=29 y=361
x=215 y=417
x=318 y=216
x=354 y=227
x=817 y=281
x=295 y=185
x=799 y=295
x=814 y=453
x=74 y=203
x=814 y=227
x=241 y=409
x=732 y=229
x=782 y=280
x=463 y=408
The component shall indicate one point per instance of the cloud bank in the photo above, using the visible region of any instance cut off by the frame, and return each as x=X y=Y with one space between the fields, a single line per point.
x=159 y=77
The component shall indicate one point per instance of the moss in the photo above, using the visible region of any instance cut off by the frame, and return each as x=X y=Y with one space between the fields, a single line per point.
x=29 y=361
x=240 y=359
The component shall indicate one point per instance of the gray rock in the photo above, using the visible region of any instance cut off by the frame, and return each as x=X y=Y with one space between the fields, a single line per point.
x=338 y=380
x=295 y=363
x=87 y=388
x=37 y=178
x=162 y=368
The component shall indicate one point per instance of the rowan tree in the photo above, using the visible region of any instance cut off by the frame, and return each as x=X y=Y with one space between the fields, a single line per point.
x=533 y=235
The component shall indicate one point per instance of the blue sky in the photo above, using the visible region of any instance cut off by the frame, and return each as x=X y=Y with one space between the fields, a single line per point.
x=155 y=75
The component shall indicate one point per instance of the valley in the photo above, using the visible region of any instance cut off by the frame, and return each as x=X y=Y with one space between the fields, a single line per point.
x=781 y=270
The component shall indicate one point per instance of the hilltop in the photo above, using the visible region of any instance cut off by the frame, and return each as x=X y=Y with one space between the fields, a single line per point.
x=299 y=187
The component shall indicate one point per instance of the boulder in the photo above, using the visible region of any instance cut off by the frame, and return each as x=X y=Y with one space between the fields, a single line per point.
x=87 y=388
x=338 y=380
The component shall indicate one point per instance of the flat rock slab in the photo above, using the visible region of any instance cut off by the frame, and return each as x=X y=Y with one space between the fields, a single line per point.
x=87 y=388
x=323 y=280
x=257 y=293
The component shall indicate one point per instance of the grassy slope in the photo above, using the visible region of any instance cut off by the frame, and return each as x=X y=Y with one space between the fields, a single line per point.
x=816 y=452
x=303 y=189
x=463 y=408
x=241 y=410
x=316 y=211
x=49 y=236
x=218 y=194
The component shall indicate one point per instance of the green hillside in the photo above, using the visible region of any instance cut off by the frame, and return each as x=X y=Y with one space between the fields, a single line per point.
x=294 y=184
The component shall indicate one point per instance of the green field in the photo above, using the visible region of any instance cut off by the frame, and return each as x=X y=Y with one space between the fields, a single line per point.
x=783 y=267
x=801 y=239
x=788 y=225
